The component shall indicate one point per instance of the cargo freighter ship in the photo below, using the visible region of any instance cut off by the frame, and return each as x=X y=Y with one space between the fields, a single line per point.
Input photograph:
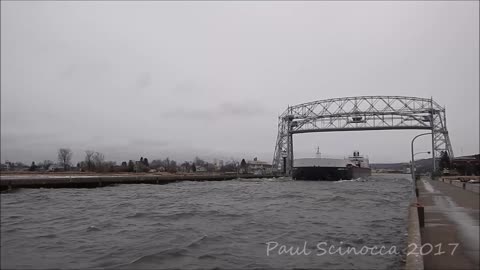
x=331 y=169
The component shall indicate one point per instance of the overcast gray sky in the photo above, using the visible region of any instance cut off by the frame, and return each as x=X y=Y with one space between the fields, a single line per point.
x=160 y=79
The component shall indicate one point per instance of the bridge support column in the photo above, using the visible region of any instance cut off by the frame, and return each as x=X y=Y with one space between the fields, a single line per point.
x=433 y=153
x=432 y=119
x=290 y=123
x=289 y=154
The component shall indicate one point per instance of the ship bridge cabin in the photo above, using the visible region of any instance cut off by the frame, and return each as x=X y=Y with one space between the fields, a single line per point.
x=358 y=160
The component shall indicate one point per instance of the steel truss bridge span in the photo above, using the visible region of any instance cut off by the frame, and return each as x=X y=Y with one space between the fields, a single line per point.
x=361 y=113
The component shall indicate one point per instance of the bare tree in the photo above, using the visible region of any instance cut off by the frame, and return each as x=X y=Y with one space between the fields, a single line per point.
x=98 y=161
x=444 y=161
x=186 y=166
x=65 y=157
x=166 y=164
x=199 y=162
x=131 y=166
x=46 y=164
x=89 y=159
x=173 y=166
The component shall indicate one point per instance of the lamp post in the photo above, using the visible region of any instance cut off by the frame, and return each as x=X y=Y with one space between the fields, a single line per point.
x=413 y=155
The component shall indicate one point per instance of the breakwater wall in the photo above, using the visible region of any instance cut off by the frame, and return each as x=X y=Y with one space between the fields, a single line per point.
x=91 y=181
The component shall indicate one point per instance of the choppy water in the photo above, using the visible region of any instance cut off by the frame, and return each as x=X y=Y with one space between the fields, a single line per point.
x=205 y=224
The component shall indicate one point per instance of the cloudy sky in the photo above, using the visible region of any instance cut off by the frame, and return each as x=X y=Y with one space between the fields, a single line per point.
x=160 y=79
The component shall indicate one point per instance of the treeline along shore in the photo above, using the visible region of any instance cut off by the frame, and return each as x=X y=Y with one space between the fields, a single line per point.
x=95 y=162
x=96 y=171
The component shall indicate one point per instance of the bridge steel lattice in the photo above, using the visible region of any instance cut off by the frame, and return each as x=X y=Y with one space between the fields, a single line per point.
x=360 y=113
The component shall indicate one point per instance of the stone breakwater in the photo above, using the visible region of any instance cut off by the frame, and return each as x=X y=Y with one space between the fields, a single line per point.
x=9 y=182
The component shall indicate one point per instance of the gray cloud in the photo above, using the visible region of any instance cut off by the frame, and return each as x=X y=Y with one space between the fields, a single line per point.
x=224 y=110
x=210 y=78
x=248 y=108
x=143 y=81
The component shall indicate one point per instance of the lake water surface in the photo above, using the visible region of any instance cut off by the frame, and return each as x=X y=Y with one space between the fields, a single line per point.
x=207 y=225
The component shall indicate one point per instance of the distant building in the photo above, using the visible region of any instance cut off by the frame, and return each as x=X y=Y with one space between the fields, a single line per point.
x=200 y=169
x=467 y=165
x=55 y=168
x=218 y=164
x=258 y=167
x=406 y=168
x=5 y=167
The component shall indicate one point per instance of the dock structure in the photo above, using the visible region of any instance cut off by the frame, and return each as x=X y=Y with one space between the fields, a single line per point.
x=9 y=182
x=449 y=224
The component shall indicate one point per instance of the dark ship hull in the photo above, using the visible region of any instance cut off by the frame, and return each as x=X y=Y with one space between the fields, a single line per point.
x=330 y=173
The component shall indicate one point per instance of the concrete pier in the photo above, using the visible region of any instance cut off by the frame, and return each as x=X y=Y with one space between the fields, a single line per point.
x=414 y=261
x=8 y=182
x=451 y=230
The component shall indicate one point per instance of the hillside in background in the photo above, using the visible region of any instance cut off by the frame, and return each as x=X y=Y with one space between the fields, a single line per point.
x=423 y=165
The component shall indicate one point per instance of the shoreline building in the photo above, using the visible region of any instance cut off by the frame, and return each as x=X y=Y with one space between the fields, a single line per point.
x=258 y=167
